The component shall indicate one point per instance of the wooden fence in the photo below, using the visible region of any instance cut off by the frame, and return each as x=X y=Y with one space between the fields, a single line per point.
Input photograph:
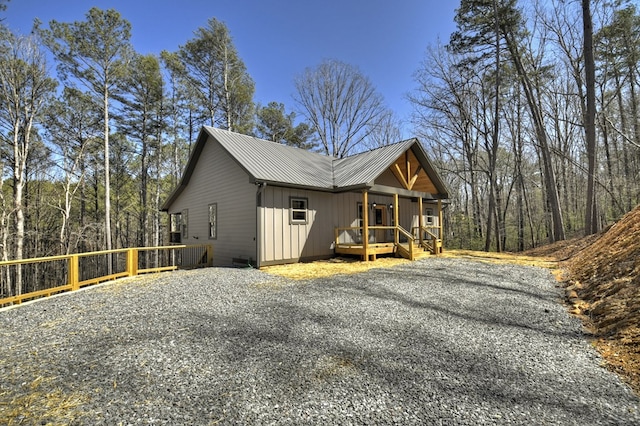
x=26 y=279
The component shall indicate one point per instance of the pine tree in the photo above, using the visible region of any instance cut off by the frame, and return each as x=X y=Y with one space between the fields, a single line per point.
x=95 y=54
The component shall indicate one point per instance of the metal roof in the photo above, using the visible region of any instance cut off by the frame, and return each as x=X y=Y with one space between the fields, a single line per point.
x=271 y=162
x=363 y=168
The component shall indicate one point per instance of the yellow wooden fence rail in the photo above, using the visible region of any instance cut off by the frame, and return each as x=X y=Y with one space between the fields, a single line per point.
x=74 y=272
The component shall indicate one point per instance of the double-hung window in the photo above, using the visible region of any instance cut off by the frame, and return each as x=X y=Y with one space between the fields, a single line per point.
x=298 y=210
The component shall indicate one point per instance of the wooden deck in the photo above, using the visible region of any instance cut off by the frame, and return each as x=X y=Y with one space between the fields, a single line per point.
x=375 y=249
x=404 y=244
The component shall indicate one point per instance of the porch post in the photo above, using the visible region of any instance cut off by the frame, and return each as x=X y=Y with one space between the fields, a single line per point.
x=395 y=219
x=365 y=224
x=420 y=219
x=440 y=232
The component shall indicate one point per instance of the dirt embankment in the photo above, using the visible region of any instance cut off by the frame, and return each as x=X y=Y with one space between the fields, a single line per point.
x=602 y=278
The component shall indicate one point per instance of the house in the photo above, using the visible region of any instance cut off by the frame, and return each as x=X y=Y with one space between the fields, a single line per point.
x=263 y=203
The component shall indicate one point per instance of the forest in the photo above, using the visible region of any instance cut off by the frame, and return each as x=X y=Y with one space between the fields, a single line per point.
x=529 y=111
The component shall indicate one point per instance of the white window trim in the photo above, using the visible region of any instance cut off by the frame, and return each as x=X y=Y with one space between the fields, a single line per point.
x=213 y=226
x=293 y=210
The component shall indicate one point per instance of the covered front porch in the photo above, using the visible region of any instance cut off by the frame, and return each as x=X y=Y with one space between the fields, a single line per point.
x=420 y=236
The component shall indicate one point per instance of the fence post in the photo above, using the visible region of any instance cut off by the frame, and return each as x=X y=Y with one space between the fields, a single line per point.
x=74 y=273
x=132 y=262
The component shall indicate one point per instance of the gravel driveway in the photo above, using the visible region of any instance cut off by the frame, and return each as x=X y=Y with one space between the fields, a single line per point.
x=437 y=341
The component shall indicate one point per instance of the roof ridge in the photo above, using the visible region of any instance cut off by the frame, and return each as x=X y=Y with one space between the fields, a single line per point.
x=285 y=146
x=412 y=139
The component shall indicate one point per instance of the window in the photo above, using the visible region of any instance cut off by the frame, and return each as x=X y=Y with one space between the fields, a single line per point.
x=429 y=214
x=185 y=223
x=298 y=210
x=175 y=222
x=175 y=229
x=213 y=221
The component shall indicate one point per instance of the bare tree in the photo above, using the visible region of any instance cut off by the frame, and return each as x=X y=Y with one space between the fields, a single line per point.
x=591 y=222
x=24 y=88
x=447 y=101
x=341 y=104
x=71 y=123
x=385 y=131
x=211 y=71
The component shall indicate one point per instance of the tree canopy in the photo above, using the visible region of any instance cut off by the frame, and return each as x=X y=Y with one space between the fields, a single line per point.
x=341 y=104
x=502 y=109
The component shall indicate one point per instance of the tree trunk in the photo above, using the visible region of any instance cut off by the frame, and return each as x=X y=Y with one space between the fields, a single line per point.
x=557 y=229
x=626 y=169
x=107 y=176
x=591 y=220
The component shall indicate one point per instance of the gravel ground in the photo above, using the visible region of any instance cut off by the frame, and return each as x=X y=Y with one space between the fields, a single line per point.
x=438 y=341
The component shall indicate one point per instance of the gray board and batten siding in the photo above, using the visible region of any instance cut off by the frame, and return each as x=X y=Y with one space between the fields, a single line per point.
x=252 y=181
x=218 y=179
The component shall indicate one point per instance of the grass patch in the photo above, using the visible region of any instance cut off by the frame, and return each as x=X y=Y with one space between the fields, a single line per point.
x=326 y=268
x=41 y=404
x=503 y=258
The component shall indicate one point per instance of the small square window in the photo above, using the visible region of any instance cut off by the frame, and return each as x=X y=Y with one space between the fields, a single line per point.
x=298 y=207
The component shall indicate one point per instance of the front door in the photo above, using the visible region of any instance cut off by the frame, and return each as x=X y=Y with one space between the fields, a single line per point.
x=380 y=219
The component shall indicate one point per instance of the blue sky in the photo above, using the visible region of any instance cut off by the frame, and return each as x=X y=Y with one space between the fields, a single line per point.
x=278 y=39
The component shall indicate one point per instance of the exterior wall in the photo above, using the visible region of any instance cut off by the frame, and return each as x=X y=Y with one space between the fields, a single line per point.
x=346 y=215
x=284 y=242
x=434 y=216
x=408 y=211
x=217 y=178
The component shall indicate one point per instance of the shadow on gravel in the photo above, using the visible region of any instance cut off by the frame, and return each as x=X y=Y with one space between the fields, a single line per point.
x=483 y=277
x=300 y=357
x=462 y=305
x=403 y=345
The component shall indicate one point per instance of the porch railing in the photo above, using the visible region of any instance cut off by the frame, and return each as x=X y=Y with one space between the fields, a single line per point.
x=409 y=251
x=377 y=235
x=26 y=279
x=428 y=239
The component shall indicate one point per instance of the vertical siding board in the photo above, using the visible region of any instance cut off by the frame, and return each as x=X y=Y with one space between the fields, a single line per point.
x=267 y=230
x=276 y=225
x=282 y=222
x=295 y=231
x=407 y=213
